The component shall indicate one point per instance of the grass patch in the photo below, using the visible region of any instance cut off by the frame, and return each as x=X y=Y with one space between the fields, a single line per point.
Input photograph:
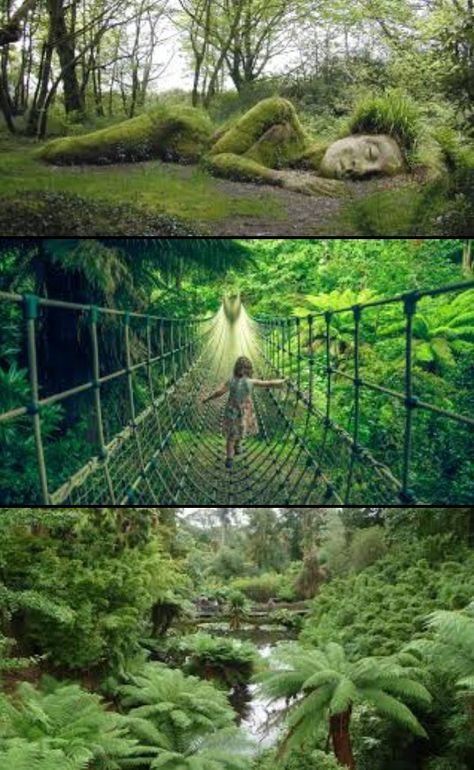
x=404 y=211
x=189 y=194
x=68 y=214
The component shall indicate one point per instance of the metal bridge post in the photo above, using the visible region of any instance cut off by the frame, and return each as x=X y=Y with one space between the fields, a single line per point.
x=94 y=315
x=173 y=361
x=298 y=353
x=162 y=356
x=327 y=319
x=310 y=361
x=409 y=306
x=128 y=365
x=357 y=383
x=31 y=305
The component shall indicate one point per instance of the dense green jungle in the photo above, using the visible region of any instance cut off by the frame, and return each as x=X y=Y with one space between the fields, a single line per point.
x=236 y=639
x=177 y=117
x=186 y=278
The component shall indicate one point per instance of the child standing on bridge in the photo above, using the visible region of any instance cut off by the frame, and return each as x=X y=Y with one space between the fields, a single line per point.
x=239 y=413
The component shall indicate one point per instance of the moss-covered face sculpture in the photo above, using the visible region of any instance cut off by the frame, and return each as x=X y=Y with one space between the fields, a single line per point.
x=266 y=145
x=362 y=156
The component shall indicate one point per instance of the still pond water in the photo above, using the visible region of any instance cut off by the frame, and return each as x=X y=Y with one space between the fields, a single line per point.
x=256 y=715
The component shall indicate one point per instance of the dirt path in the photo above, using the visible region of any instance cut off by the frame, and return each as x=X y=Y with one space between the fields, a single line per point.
x=303 y=214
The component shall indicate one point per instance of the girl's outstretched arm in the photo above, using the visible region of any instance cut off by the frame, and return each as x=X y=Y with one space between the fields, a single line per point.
x=217 y=393
x=269 y=383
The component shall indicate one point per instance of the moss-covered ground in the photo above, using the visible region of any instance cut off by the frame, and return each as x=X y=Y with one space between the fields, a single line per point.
x=186 y=192
x=156 y=197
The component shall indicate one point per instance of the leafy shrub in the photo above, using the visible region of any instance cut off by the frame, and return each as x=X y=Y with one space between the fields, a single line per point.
x=367 y=547
x=299 y=759
x=385 y=606
x=228 y=563
x=85 y=582
x=454 y=150
x=260 y=588
x=229 y=661
x=291 y=620
x=393 y=113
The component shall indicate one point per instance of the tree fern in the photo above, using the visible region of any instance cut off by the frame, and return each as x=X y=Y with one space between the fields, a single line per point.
x=185 y=722
x=22 y=755
x=176 y=705
x=324 y=683
x=451 y=644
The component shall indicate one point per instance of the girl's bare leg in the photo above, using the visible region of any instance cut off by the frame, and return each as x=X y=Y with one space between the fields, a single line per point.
x=230 y=448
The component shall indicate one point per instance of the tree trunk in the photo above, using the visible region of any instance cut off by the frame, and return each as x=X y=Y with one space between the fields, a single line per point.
x=467 y=257
x=5 y=109
x=341 y=738
x=39 y=99
x=64 y=44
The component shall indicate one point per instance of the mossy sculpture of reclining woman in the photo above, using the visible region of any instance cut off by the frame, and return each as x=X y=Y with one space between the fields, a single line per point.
x=266 y=145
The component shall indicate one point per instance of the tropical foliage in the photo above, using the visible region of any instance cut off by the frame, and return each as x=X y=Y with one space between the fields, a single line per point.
x=379 y=676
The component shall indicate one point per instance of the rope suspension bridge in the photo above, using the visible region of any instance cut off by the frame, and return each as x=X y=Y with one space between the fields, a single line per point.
x=152 y=441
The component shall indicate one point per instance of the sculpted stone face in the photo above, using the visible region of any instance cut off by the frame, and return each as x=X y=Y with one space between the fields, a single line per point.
x=361 y=156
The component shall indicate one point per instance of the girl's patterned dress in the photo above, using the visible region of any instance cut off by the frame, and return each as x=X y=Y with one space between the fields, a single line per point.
x=239 y=413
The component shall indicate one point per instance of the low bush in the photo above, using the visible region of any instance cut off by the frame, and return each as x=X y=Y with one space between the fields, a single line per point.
x=299 y=759
x=228 y=661
x=261 y=588
x=355 y=610
x=291 y=620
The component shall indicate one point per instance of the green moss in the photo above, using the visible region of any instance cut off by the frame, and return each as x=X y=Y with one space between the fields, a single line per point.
x=240 y=168
x=66 y=214
x=179 y=133
x=311 y=158
x=270 y=133
x=406 y=211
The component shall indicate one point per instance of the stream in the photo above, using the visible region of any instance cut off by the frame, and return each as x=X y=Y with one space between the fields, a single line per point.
x=254 y=711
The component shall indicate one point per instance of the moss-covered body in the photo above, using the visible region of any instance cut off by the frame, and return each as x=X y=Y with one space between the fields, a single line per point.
x=267 y=145
x=180 y=134
x=270 y=134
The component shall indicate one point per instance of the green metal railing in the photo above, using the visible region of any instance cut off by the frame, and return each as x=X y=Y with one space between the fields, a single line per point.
x=169 y=451
x=283 y=351
x=179 y=343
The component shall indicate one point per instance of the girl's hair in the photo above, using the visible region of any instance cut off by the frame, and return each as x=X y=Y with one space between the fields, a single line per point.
x=243 y=367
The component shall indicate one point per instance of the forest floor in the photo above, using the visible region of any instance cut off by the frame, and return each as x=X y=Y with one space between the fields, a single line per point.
x=188 y=195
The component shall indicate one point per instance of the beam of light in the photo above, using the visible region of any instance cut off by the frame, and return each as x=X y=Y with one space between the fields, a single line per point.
x=232 y=334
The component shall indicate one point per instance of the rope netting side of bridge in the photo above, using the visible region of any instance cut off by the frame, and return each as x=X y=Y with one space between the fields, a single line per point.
x=152 y=441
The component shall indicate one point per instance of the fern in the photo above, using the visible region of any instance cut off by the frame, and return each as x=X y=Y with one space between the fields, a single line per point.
x=64 y=721
x=184 y=721
x=324 y=682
